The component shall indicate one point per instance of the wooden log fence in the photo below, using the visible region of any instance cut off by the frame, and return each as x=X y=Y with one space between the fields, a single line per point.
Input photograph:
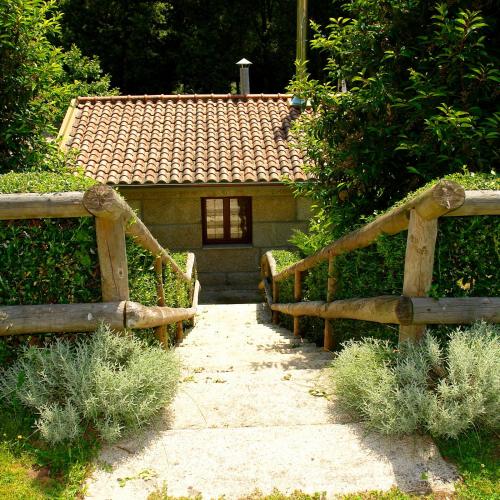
x=413 y=310
x=114 y=219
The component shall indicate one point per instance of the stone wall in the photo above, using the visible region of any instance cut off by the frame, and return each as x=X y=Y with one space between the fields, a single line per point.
x=173 y=214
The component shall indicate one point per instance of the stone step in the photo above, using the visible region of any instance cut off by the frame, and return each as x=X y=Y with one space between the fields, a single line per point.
x=229 y=280
x=268 y=397
x=254 y=411
x=253 y=360
x=333 y=458
x=263 y=341
x=227 y=295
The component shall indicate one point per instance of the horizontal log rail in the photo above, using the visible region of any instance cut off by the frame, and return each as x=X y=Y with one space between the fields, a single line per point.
x=34 y=206
x=433 y=203
x=114 y=219
x=400 y=310
x=56 y=318
x=413 y=310
x=480 y=202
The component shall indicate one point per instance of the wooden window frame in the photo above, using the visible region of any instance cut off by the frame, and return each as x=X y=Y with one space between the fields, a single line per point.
x=226 y=218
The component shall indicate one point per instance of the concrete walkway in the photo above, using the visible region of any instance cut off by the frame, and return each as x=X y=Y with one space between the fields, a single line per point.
x=254 y=412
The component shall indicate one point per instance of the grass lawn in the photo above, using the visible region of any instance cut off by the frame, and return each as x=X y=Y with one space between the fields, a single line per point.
x=31 y=470
x=478 y=460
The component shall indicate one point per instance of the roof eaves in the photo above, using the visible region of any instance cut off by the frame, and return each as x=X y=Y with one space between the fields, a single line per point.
x=67 y=125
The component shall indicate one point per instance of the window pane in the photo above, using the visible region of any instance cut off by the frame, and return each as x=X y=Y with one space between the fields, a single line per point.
x=238 y=208
x=215 y=218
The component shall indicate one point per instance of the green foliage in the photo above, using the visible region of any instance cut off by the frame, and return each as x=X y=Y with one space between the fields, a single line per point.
x=103 y=381
x=37 y=81
x=47 y=260
x=132 y=39
x=424 y=387
x=30 y=469
x=142 y=284
x=466 y=263
x=43 y=182
x=476 y=457
x=421 y=101
x=183 y=46
x=55 y=260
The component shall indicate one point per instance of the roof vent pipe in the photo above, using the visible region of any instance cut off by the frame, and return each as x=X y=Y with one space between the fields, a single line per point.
x=244 y=76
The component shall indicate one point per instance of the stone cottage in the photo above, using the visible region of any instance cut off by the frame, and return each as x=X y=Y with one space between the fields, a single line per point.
x=205 y=172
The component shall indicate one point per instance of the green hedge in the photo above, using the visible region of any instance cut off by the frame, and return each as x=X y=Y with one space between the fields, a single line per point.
x=142 y=284
x=466 y=264
x=47 y=260
x=55 y=260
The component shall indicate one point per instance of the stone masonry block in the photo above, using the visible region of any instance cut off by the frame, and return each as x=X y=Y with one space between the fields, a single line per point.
x=304 y=211
x=178 y=237
x=266 y=208
x=227 y=259
x=270 y=234
x=165 y=210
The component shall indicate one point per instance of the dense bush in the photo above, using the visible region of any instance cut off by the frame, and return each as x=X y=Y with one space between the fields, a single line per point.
x=104 y=382
x=37 y=82
x=466 y=264
x=142 y=284
x=423 y=387
x=47 y=260
x=55 y=260
x=421 y=101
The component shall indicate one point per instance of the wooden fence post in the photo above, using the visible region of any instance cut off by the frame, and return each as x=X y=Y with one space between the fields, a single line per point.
x=160 y=331
x=419 y=263
x=330 y=292
x=180 y=332
x=112 y=259
x=276 y=298
x=297 y=295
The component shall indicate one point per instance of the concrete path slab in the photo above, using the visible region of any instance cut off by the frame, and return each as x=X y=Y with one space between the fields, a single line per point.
x=254 y=411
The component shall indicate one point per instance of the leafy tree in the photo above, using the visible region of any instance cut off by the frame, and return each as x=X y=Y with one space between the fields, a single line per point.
x=37 y=81
x=422 y=101
x=189 y=45
x=131 y=38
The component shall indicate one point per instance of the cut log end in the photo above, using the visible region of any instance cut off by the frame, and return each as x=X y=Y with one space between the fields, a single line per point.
x=448 y=194
x=103 y=201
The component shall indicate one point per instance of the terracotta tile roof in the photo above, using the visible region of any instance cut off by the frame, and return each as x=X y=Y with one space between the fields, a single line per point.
x=184 y=138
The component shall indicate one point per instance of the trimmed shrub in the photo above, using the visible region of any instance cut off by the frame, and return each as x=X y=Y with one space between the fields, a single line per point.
x=466 y=264
x=423 y=387
x=142 y=284
x=104 y=382
x=47 y=260
x=55 y=260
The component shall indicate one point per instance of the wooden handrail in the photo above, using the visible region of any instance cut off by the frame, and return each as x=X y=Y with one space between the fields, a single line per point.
x=34 y=205
x=444 y=197
x=114 y=219
x=190 y=265
x=480 y=202
x=413 y=310
x=400 y=310
x=104 y=202
x=29 y=319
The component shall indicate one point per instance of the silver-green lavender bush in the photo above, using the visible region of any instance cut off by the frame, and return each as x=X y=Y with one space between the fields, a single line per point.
x=424 y=387
x=110 y=382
